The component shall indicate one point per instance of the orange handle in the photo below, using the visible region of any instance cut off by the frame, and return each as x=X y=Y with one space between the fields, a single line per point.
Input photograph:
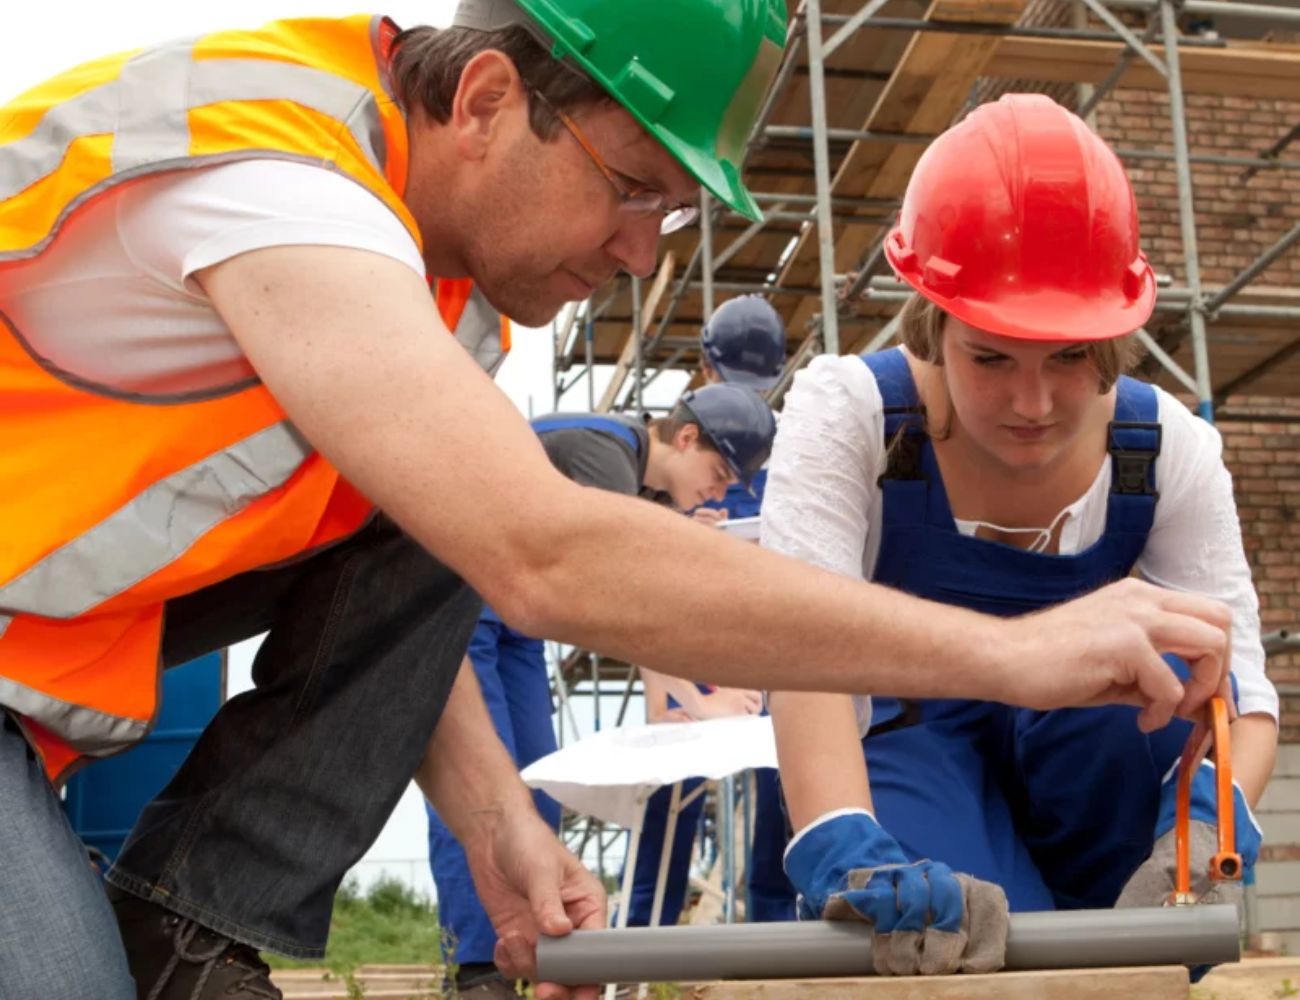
x=1226 y=863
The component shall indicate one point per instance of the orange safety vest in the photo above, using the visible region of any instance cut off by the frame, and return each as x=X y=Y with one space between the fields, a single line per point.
x=111 y=505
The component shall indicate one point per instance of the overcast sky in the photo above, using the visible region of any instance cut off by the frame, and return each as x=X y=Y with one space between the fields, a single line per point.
x=41 y=39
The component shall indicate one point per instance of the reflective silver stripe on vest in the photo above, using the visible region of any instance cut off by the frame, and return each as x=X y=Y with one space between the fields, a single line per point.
x=145 y=109
x=479 y=332
x=88 y=731
x=149 y=128
x=213 y=81
x=4 y=625
x=156 y=527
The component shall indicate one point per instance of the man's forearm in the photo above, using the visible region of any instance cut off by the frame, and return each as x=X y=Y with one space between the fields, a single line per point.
x=467 y=773
x=762 y=620
x=405 y=416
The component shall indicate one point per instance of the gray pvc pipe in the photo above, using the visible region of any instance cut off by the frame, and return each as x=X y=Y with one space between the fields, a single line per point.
x=1191 y=935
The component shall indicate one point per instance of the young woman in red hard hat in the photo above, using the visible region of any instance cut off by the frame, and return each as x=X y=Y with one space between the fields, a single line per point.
x=1000 y=460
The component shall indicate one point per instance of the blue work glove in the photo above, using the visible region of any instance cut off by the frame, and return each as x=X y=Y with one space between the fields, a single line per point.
x=925 y=919
x=1152 y=883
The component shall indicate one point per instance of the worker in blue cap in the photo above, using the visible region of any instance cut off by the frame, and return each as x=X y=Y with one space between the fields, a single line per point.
x=742 y=343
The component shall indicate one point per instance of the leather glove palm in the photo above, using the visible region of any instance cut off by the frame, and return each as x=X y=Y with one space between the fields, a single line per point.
x=924 y=918
x=1152 y=883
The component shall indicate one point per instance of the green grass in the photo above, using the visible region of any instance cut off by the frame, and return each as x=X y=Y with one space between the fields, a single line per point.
x=390 y=924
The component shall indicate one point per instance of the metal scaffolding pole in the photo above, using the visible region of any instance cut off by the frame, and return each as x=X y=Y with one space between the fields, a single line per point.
x=676 y=299
x=1246 y=377
x=1001 y=30
x=807 y=133
x=1187 y=213
x=1272 y=153
x=1134 y=43
x=822 y=178
x=1170 y=365
x=638 y=361
x=1121 y=66
x=1248 y=275
x=1267 y=12
x=852 y=25
x=706 y=250
x=589 y=347
x=735 y=246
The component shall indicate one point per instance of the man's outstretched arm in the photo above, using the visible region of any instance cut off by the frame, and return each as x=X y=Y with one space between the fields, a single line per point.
x=351 y=345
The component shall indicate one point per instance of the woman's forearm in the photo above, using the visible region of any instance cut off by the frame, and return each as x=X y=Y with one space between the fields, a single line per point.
x=820 y=754
x=1254 y=749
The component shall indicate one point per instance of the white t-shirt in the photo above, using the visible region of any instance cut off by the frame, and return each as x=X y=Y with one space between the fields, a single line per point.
x=822 y=505
x=110 y=304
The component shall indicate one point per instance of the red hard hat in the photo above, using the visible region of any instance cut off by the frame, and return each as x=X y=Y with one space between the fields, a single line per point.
x=1020 y=221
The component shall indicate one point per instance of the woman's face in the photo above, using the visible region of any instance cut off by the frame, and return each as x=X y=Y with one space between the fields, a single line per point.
x=1022 y=402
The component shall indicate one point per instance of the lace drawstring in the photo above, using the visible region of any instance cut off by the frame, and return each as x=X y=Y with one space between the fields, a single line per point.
x=1039 y=544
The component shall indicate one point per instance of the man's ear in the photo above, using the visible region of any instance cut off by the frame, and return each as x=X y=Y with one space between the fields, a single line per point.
x=687 y=437
x=489 y=87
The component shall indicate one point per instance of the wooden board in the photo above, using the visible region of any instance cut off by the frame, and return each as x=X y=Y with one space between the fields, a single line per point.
x=1153 y=983
x=1253 y=71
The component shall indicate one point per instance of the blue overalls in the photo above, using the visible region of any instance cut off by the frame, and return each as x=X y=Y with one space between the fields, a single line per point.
x=511 y=670
x=1057 y=807
x=771 y=898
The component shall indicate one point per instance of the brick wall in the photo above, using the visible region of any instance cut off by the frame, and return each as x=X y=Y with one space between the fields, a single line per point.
x=1264 y=458
x=1236 y=220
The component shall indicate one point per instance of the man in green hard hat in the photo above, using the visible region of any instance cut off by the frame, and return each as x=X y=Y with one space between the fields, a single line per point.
x=288 y=441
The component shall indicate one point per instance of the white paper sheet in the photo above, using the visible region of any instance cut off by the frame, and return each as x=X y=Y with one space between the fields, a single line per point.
x=610 y=774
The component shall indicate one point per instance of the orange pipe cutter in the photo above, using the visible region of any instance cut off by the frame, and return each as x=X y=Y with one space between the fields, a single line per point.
x=1225 y=865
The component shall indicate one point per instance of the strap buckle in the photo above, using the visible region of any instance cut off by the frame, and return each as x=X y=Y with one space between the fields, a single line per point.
x=1133 y=466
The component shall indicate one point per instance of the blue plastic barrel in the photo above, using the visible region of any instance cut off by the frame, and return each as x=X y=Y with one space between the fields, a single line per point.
x=104 y=798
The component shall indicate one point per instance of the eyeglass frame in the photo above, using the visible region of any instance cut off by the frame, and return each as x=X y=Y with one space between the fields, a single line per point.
x=675 y=217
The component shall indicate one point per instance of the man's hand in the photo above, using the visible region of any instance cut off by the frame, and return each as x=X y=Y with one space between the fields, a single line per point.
x=1105 y=648
x=723 y=702
x=709 y=516
x=529 y=884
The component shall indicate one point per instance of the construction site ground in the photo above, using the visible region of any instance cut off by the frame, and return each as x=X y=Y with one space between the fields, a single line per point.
x=1251 y=979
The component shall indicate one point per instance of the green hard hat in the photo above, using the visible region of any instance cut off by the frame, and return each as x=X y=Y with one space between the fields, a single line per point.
x=693 y=72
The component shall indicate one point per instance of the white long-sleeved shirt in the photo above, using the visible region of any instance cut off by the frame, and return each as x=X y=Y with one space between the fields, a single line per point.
x=823 y=505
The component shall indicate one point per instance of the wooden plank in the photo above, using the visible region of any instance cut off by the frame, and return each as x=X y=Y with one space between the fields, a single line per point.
x=1153 y=983
x=928 y=88
x=1255 y=978
x=1260 y=72
x=628 y=357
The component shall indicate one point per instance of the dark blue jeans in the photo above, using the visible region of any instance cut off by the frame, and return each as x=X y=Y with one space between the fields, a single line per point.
x=291 y=782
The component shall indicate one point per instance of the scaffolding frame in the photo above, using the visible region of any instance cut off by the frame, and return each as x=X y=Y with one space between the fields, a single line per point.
x=819 y=214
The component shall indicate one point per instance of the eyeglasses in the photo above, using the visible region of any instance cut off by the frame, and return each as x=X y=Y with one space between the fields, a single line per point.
x=634 y=201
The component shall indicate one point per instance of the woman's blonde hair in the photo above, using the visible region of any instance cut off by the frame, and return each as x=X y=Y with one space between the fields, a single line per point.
x=920 y=330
